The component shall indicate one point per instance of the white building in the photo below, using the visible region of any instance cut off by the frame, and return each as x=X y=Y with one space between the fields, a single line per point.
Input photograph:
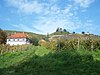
x=18 y=39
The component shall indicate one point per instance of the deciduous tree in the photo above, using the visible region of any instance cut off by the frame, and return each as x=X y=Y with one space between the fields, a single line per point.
x=3 y=36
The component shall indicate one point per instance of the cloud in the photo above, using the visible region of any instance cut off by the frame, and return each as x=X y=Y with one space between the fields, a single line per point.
x=23 y=27
x=47 y=7
x=49 y=25
x=50 y=15
x=34 y=6
x=88 y=26
x=31 y=7
x=84 y=3
x=26 y=6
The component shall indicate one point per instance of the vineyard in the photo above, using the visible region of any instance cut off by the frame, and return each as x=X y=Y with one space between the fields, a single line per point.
x=72 y=44
x=57 y=45
x=55 y=57
x=8 y=48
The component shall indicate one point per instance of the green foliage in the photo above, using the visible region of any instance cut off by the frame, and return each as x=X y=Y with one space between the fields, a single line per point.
x=64 y=30
x=44 y=43
x=69 y=45
x=52 y=45
x=73 y=44
x=34 y=41
x=55 y=57
x=8 y=48
x=41 y=51
x=13 y=58
x=60 y=33
x=3 y=37
x=40 y=61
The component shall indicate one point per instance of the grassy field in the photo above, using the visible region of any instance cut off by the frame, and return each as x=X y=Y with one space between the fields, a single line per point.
x=41 y=61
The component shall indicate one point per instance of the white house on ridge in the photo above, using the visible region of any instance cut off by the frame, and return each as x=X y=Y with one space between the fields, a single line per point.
x=18 y=39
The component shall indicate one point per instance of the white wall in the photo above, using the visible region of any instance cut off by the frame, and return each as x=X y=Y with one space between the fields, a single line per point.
x=19 y=41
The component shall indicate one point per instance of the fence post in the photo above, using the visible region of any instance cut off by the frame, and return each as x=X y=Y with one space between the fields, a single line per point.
x=92 y=46
x=1 y=52
x=78 y=45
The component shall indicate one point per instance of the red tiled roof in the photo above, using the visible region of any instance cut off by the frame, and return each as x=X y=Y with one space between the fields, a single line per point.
x=18 y=35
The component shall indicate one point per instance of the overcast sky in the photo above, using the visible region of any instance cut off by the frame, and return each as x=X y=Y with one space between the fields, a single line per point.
x=45 y=16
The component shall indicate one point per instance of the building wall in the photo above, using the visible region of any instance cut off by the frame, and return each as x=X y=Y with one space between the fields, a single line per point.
x=17 y=41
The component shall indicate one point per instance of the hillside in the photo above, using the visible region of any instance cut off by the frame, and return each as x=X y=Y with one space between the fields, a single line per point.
x=74 y=36
x=9 y=32
x=63 y=33
x=59 y=33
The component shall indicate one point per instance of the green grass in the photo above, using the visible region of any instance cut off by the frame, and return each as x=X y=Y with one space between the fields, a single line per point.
x=9 y=59
x=41 y=61
x=59 y=33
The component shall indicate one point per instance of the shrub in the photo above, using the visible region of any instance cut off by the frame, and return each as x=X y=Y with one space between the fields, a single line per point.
x=34 y=41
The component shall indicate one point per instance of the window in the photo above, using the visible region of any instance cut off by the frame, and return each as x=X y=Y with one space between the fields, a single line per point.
x=8 y=39
x=13 y=39
x=16 y=39
x=24 y=39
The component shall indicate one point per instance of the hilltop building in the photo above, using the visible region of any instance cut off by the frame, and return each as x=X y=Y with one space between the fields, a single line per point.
x=18 y=39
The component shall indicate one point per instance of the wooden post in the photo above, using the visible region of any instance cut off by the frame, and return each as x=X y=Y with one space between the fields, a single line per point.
x=92 y=46
x=59 y=43
x=78 y=45
x=1 y=52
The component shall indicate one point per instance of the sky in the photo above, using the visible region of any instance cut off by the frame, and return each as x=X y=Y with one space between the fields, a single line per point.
x=45 y=16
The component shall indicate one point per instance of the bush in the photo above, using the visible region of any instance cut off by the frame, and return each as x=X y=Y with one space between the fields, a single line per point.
x=3 y=37
x=34 y=41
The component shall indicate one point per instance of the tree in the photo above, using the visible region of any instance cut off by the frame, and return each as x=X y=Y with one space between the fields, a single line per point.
x=83 y=32
x=64 y=30
x=34 y=41
x=57 y=29
x=3 y=36
x=47 y=37
x=60 y=29
x=73 y=32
